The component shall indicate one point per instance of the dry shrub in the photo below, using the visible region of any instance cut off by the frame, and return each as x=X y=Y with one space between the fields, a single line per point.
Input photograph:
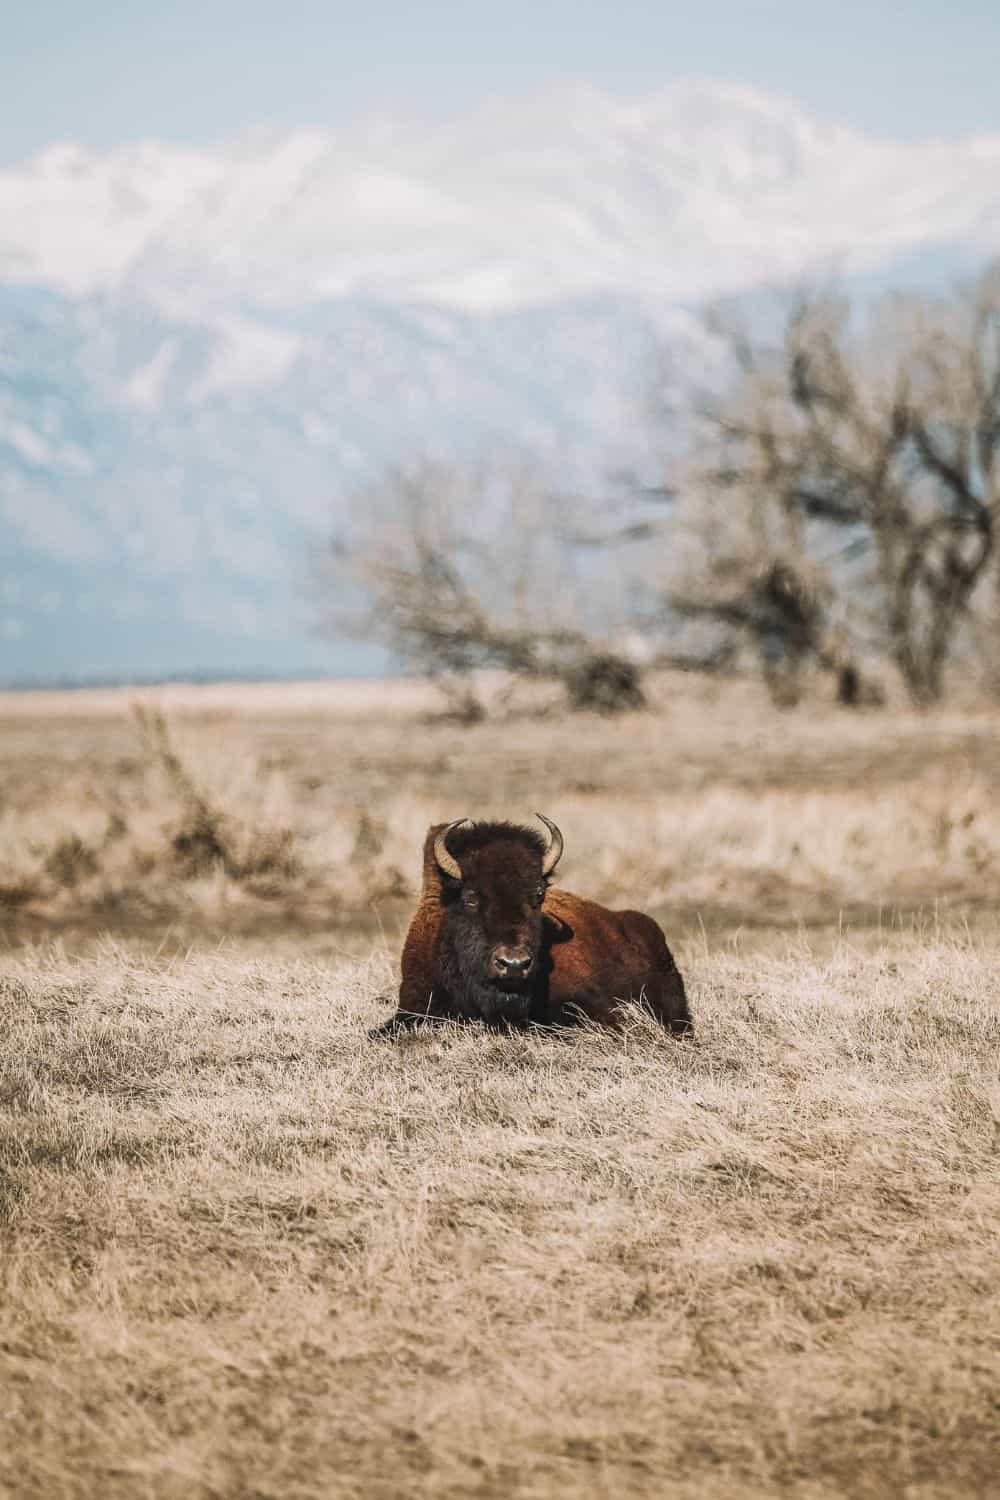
x=17 y=893
x=70 y=860
x=605 y=684
x=205 y=835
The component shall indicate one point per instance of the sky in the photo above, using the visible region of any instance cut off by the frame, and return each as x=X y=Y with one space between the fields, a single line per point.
x=111 y=71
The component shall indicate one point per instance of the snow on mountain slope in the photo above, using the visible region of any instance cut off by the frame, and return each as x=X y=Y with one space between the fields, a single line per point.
x=160 y=474
x=203 y=352
x=564 y=193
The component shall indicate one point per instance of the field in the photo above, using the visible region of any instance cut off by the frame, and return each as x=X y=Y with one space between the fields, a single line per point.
x=245 y=1251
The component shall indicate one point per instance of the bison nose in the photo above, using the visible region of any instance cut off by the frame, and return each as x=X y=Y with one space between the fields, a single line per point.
x=512 y=963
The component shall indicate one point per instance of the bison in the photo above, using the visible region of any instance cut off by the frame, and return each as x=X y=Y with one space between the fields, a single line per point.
x=491 y=940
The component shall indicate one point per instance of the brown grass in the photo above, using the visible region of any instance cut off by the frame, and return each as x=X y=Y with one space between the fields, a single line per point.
x=247 y=1252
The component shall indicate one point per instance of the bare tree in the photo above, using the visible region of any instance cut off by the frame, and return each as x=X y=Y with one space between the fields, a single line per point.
x=742 y=558
x=890 y=436
x=455 y=569
x=781 y=609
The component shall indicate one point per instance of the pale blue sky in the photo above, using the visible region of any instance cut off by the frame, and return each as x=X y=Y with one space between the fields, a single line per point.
x=104 y=71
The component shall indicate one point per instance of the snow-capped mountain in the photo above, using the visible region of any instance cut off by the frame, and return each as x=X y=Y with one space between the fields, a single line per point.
x=203 y=351
x=562 y=194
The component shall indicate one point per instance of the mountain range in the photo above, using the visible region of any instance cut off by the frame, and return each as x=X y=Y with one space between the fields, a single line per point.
x=205 y=353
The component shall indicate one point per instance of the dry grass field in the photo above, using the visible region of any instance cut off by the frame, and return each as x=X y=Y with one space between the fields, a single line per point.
x=307 y=806
x=247 y=1252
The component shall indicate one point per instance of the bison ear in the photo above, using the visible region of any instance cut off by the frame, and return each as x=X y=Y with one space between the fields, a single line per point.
x=553 y=853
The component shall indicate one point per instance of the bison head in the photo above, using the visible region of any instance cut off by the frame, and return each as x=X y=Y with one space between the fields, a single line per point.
x=495 y=877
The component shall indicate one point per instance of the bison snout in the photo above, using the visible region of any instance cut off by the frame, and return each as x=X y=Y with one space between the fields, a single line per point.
x=512 y=963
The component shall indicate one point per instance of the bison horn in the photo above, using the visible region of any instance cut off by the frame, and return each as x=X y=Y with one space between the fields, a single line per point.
x=553 y=853
x=446 y=860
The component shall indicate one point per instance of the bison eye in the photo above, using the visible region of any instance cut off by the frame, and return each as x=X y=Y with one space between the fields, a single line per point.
x=540 y=895
x=470 y=899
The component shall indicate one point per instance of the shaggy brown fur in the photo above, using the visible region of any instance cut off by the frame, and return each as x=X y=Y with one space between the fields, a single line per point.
x=502 y=946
